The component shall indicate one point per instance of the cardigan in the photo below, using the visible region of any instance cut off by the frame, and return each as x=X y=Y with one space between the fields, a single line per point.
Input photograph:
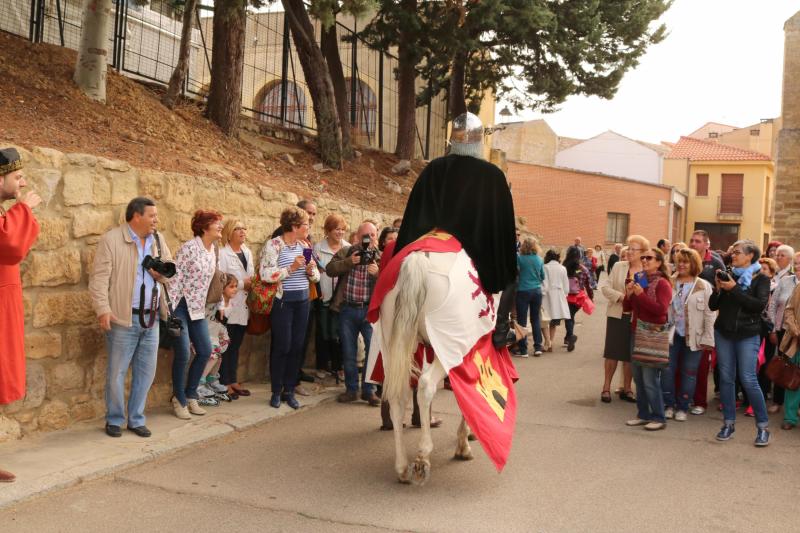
x=270 y=272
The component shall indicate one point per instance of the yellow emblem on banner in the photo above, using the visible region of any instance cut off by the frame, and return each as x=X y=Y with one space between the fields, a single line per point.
x=490 y=385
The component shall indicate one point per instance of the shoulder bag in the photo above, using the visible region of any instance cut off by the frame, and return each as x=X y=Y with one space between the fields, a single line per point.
x=650 y=344
x=783 y=372
x=169 y=329
x=216 y=286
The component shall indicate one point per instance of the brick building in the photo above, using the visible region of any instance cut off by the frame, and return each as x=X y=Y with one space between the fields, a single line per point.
x=560 y=204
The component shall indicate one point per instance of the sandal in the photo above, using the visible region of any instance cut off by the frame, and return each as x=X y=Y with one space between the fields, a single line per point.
x=605 y=396
x=627 y=396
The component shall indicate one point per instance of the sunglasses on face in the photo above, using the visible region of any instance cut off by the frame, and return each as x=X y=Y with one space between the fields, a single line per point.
x=646 y=257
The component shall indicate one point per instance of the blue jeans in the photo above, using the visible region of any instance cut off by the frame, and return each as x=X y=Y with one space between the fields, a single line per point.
x=741 y=354
x=352 y=321
x=135 y=347
x=649 y=399
x=682 y=359
x=184 y=384
x=289 y=324
x=530 y=300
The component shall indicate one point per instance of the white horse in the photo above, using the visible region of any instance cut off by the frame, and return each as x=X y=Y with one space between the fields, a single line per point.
x=422 y=287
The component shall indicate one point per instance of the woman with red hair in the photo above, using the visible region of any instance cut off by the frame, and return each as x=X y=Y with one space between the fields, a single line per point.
x=195 y=264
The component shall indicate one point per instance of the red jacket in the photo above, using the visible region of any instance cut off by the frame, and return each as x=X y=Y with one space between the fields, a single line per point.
x=648 y=309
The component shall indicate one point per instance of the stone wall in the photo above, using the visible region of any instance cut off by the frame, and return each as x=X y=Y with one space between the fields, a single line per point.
x=83 y=196
x=787 y=174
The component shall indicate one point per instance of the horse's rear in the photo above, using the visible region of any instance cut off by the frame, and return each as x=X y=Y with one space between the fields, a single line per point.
x=422 y=288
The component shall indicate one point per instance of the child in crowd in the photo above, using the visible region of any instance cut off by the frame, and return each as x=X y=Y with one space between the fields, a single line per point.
x=211 y=391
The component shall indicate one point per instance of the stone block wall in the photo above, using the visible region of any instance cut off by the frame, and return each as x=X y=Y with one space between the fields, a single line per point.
x=84 y=196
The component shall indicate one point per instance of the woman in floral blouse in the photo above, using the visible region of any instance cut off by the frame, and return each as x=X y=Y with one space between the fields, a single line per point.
x=195 y=264
x=284 y=259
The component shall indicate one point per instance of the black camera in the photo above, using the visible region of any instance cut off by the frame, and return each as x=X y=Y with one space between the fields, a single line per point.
x=367 y=253
x=165 y=268
x=724 y=275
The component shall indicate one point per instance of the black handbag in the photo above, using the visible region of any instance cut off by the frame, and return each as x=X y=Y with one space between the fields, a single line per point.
x=169 y=329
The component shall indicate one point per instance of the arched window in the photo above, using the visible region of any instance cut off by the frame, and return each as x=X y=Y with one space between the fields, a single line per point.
x=268 y=104
x=366 y=110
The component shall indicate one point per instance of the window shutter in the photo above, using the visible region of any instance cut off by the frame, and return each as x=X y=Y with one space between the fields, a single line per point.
x=702 y=185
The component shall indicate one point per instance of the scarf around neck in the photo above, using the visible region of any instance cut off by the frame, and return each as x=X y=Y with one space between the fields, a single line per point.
x=744 y=275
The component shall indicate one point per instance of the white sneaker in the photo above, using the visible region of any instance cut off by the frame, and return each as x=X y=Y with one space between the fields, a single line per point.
x=669 y=412
x=698 y=410
x=179 y=410
x=636 y=422
x=194 y=407
x=216 y=386
x=537 y=353
x=204 y=391
x=655 y=426
x=321 y=374
x=680 y=416
x=522 y=355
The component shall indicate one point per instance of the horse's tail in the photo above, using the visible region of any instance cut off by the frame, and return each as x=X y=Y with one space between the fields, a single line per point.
x=399 y=363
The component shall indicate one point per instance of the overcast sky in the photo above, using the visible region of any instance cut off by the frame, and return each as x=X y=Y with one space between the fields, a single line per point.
x=721 y=62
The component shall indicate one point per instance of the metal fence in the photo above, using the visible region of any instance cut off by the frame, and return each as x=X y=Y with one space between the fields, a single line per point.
x=145 y=41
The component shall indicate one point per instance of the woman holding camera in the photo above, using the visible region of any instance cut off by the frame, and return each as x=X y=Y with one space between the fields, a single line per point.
x=195 y=264
x=648 y=297
x=287 y=260
x=741 y=295
x=235 y=259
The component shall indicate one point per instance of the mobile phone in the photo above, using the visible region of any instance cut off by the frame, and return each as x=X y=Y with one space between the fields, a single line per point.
x=641 y=279
x=307 y=254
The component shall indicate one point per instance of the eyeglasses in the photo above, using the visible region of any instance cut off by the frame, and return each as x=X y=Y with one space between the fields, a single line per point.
x=646 y=257
x=239 y=228
x=737 y=252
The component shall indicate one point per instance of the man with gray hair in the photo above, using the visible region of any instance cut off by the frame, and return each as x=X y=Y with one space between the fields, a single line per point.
x=356 y=269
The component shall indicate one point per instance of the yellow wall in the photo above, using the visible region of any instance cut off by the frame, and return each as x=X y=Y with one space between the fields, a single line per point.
x=675 y=174
x=756 y=194
x=763 y=143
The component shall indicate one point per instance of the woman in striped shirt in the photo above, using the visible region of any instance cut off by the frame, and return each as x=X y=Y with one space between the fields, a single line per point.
x=287 y=260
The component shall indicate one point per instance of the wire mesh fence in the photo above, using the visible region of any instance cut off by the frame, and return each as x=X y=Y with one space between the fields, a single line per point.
x=145 y=41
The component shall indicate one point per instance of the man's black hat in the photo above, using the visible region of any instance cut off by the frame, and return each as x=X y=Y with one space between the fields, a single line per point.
x=9 y=161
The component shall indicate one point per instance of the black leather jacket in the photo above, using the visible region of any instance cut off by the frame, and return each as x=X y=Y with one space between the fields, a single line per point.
x=740 y=309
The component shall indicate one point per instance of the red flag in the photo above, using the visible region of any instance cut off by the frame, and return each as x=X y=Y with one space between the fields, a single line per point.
x=484 y=388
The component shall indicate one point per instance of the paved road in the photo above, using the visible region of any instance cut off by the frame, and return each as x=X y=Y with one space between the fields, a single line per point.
x=574 y=467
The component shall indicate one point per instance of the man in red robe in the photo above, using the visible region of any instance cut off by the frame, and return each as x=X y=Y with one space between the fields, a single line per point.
x=18 y=232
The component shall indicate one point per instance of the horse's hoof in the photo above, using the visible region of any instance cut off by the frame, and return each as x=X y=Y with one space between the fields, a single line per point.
x=405 y=476
x=420 y=472
x=464 y=456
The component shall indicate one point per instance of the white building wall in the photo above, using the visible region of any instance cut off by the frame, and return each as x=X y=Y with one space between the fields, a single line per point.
x=615 y=155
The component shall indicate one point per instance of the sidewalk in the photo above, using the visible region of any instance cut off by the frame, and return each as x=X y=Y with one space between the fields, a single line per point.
x=56 y=460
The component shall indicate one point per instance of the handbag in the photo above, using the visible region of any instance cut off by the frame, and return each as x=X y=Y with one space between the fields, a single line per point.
x=261 y=295
x=169 y=329
x=217 y=285
x=781 y=371
x=651 y=344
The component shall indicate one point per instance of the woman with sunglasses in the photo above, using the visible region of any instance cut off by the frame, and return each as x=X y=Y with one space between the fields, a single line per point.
x=649 y=301
x=740 y=296
x=692 y=332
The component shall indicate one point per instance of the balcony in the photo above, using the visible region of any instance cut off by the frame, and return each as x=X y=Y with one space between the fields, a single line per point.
x=730 y=207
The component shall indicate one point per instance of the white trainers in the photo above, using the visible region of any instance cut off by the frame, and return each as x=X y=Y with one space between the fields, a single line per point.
x=179 y=410
x=655 y=426
x=636 y=422
x=216 y=386
x=669 y=412
x=194 y=407
x=698 y=410
x=680 y=416
x=204 y=391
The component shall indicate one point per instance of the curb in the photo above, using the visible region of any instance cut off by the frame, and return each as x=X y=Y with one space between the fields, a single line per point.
x=84 y=452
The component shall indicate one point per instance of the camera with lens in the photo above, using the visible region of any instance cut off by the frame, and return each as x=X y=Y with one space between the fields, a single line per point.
x=165 y=268
x=367 y=253
x=724 y=275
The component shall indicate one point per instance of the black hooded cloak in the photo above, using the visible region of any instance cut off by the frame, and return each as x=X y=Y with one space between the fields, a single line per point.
x=470 y=199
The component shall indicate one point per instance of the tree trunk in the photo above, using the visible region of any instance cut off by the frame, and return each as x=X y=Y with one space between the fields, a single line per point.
x=319 y=82
x=90 y=71
x=406 y=90
x=458 y=102
x=178 y=77
x=227 y=63
x=330 y=50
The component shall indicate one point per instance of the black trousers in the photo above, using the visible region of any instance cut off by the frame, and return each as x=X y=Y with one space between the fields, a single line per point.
x=230 y=359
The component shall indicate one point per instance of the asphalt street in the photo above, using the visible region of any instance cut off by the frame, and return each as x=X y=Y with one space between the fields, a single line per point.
x=574 y=466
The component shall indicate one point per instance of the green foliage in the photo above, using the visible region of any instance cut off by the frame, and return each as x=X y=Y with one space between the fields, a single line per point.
x=326 y=10
x=533 y=53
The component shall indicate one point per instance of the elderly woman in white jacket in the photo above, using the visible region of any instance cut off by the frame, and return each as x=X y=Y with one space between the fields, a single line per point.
x=555 y=289
x=236 y=259
x=692 y=331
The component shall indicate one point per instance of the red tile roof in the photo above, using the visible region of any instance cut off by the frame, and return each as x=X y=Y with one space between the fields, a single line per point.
x=698 y=150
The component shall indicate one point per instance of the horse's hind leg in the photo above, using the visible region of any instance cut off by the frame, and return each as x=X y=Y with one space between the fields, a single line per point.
x=426 y=390
x=397 y=410
x=463 y=450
